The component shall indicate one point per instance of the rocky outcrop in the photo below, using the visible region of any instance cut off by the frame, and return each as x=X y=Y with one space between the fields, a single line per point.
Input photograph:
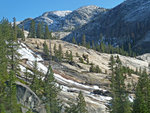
x=28 y=99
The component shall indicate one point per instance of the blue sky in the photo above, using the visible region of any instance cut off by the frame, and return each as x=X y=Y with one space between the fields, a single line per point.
x=22 y=9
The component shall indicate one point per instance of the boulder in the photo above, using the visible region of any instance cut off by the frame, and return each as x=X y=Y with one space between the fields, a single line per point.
x=28 y=99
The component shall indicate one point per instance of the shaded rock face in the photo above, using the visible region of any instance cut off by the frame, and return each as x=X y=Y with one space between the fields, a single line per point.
x=101 y=92
x=28 y=99
x=66 y=20
x=127 y=22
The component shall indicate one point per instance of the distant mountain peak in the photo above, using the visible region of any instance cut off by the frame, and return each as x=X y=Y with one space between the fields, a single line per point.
x=57 y=13
x=66 y=20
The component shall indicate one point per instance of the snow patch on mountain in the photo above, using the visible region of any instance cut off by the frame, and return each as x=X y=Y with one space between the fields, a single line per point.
x=57 y=13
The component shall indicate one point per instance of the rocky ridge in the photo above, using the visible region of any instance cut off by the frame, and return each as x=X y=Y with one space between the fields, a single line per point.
x=66 y=20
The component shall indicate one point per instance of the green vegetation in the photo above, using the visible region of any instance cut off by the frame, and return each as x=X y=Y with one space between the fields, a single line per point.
x=69 y=56
x=35 y=81
x=58 y=53
x=41 y=31
x=47 y=33
x=47 y=89
x=103 y=47
x=32 y=32
x=81 y=60
x=119 y=93
x=142 y=100
x=74 y=41
x=51 y=90
x=80 y=107
x=46 y=50
x=95 y=69
x=120 y=102
x=9 y=61
x=83 y=41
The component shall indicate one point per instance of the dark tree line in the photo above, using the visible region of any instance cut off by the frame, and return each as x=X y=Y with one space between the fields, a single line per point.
x=103 y=47
x=39 y=31
x=9 y=59
x=120 y=100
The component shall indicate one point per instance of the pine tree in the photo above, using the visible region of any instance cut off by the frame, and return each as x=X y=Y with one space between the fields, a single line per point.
x=4 y=33
x=35 y=82
x=112 y=63
x=42 y=29
x=88 y=45
x=81 y=60
x=80 y=107
x=67 y=54
x=81 y=104
x=20 y=33
x=142 y=99
x=70 y=57
x=97 y=69
x=60 y=53
x=129 y=48
x=32 y=33
x=92 y=69
x=83 y=41
x=54 y=49
x=45 y=49
x=13 y=70
x=102 y=45
x=51 y=90
x=14 y=27
x=93 y=45
x=39 y=31
x=118 y=61
x=71 y=109
x=55 y=52
x=74 y=40
x=9 y=67
x=47 y=33
x=97 y=47
x=120 y=102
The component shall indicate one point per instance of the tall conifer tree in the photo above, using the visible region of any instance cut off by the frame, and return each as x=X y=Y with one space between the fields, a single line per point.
x=39 y=31
x=51 y=90
x=120 y=102
x=13 y=62
x=32 y=33
x=142 y=99
x=83 y=40
x=4 y=34
x=47 y=33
